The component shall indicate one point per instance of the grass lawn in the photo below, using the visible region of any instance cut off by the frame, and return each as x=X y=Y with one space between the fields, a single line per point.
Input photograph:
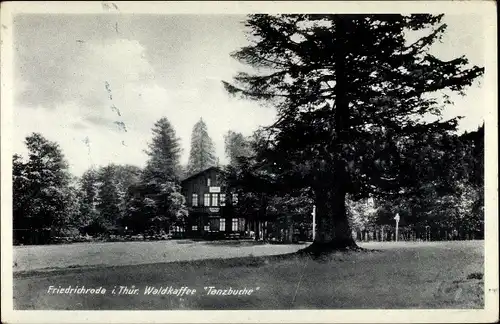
x=37 y=257
x=397 y=275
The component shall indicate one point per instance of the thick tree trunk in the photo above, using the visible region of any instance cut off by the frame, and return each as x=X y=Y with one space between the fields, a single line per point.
x=333 y=230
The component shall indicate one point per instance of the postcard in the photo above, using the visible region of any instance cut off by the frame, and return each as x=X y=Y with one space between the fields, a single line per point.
x=281 y=162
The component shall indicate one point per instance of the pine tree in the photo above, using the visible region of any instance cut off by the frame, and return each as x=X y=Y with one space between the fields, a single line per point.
x=164 y=154
x=202 y=154
x=158 y=188
x=351 y=94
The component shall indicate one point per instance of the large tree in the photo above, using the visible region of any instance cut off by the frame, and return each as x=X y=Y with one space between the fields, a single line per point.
x=42 y=196
x=202 y=153
x=156 y=200
x=351 y=94
x=164 y=154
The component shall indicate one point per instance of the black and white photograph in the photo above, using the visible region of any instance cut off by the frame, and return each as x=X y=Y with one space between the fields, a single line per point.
x=224 y=162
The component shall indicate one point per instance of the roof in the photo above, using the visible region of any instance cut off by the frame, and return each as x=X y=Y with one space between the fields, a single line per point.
x=201 y=172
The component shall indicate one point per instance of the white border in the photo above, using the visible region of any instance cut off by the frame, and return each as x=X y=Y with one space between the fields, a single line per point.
x=489 y=314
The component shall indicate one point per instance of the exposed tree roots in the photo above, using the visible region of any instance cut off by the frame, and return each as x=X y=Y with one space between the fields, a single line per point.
x=321 y=249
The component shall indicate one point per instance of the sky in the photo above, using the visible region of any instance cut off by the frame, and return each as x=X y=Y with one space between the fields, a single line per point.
x=97 y=83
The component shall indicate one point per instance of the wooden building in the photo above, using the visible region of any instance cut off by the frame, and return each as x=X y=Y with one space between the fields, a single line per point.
x=210 y=207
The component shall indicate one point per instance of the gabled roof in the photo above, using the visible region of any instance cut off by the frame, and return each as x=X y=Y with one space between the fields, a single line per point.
x=201 y=172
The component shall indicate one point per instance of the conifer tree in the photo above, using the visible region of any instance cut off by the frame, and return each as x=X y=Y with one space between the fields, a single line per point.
x=164 y=154
x=202 y=153
x=160 y=204
x=351 y=93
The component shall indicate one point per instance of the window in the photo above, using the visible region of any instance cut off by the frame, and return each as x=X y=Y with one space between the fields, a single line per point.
x=194 y=228
x=207 y=228
x=215 y=200
x=208 y=182
x=235 y=199
x=223 y=199
x=222 y=226
x=234 y=224
x=206 y=199
x=195 y=200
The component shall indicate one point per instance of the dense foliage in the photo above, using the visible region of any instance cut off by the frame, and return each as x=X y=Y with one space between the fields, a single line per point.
x=359 y=134
x=453 y=202
x=105 y=200
x=202 y=153
x=355 y=102
x=155 y=202
x=43 y=198
x=259 y=201
x=112 y=199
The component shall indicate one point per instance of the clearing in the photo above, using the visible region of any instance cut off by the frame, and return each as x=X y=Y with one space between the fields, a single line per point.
x=48 y=257
x=398 y=275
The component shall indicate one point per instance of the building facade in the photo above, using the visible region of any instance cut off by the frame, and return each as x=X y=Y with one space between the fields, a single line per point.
x=210 y=206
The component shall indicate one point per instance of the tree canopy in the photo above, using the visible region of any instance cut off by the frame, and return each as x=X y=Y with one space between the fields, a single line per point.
x=155 y=202
x=42 y=196
x=356 y=102
x=202 y=153
x=164 y=154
